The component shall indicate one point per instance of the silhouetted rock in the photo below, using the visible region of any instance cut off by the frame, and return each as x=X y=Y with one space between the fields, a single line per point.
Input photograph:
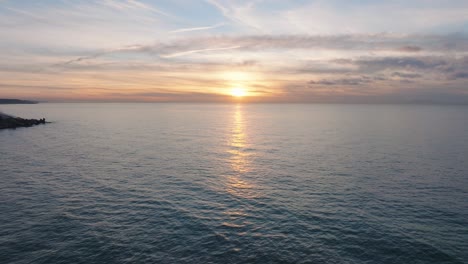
x=7 y=121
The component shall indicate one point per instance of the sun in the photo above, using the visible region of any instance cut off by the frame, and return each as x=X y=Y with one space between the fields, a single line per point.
x=238 y=92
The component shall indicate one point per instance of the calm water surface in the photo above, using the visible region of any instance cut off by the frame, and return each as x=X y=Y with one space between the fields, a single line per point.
x=213 y=183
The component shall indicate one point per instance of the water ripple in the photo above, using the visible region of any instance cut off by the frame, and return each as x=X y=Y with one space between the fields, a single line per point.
x=235 y=184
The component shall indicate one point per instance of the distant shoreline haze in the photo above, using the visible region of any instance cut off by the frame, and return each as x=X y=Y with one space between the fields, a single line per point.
x=17 y=101
x=462 y=100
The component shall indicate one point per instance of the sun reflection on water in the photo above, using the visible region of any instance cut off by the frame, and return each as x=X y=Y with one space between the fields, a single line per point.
x=240 y=158
x=238 y=143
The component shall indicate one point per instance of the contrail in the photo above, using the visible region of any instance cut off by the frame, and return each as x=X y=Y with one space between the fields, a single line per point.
x=196 y=28
x=178 y=54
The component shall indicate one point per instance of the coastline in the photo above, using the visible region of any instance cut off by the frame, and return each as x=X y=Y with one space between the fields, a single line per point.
x=11 y=122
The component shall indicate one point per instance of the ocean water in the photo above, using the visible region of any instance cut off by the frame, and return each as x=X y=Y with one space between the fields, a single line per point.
x=215 y=183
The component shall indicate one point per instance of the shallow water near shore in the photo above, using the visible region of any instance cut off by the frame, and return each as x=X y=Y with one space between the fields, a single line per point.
x=227 y=183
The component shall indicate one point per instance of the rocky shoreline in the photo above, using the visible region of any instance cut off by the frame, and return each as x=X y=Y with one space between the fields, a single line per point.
x=7 y=121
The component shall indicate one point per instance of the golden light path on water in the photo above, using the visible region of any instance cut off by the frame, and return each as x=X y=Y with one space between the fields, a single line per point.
x=239 y=164
x=240 y=157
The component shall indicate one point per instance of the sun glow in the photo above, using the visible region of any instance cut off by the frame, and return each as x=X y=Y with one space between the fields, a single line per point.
x=238 y=92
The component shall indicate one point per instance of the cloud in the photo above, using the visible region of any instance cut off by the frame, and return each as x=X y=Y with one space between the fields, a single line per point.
x=394 y=91
x=28 y=14
x=139 y=47
x=383 y=63
x=343 y=17
x=459 y=75
x=367 y=42
x=409 y=49
x=171 y=96
x=125 y=49
x=240 y=14
x=406 y=75
x=343 y=81
x=188 y=52
x=133 y=4
x=197 y=28
x=262 y=43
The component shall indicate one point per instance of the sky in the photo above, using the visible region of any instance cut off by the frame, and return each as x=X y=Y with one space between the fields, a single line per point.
x=334 y=51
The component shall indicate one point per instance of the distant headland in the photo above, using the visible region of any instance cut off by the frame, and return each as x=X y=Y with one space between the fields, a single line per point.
x=16 y=101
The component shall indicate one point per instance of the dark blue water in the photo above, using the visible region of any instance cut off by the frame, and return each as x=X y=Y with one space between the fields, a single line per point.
x=188 y=183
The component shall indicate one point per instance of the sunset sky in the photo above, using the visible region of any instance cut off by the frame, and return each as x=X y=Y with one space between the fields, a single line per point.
x=204 y=51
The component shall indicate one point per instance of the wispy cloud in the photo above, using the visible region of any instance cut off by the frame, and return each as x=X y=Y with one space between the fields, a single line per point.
x=240 y=14
x=459 y=75
x=343 y=81
x=409 y=49
x=129 y=48
x=28 y=14
x=406 y=75
x=349 y=43
x=134 y=4
x=197 y=28
x=343 y=17
x=183 y=53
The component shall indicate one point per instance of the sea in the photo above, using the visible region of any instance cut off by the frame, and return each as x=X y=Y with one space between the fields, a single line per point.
x=235 y=183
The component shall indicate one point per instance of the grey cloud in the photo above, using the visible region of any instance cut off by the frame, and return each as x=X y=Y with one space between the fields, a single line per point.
x=408 y=67
x=349 y=80
x=159 y=66
x=317 y=67
x=413 y=63
x=409 y=49
x=342 y=61
x=459 y=75
x=400 y=69
x=172 y=96
x=406 y=75
x=248 y=63
x=126 y=49
x=343 y=81
x=403 y=93
x=378 y=64
x=430 y=67
x=378 y=42
x=340 y=42
x=80 y=59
